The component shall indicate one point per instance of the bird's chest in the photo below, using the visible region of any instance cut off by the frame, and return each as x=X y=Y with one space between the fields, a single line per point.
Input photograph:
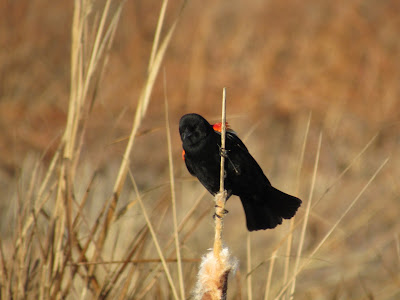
x=208 y=170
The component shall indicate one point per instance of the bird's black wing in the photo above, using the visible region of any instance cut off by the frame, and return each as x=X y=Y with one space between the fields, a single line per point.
x=188 y=166
x=243 y=169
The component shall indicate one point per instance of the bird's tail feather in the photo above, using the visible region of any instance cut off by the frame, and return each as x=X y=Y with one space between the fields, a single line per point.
x=265 y=210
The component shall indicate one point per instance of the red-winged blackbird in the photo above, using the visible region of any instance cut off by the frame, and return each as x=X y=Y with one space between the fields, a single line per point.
x=264 y=205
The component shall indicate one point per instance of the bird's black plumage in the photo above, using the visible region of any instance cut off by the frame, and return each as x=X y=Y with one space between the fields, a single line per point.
x=264 y=205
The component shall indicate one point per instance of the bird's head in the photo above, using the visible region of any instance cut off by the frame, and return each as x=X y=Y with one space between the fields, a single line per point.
x=193 y=129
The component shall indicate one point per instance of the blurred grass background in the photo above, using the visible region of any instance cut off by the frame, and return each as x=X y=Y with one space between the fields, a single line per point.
x=283 y=62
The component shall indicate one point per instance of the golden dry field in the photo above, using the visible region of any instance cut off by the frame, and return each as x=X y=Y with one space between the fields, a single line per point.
x=95 y=205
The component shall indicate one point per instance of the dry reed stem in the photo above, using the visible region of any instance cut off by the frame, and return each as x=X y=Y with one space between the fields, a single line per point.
x=56 y=248
x=269 y=277
x=173 y=198
x=212 y=278
x=155 y=273
x=249 y=267
x=353 y=161
x=323 y=240
x=140 y=112
x=82 y=76
x=292 y=224
x=35 y=211
x=141 y=109
x=327 y=190
x=220 y=198
x=192 y=210
x=136 y=246
x=292 y=221
x=155 y=239
x=308 y=209
x=4 y=274
x=134 y=261
x=160 y=24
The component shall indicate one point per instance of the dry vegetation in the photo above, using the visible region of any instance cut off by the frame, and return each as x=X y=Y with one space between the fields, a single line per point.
x=85 y=208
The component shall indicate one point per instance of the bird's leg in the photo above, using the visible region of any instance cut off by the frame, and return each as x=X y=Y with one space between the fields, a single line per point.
x=224 y=152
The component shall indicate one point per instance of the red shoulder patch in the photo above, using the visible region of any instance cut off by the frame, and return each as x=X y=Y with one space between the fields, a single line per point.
x=183 y=154
x=218 y=126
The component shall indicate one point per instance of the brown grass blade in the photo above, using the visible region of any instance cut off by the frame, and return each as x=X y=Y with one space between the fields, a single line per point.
x=155 y=239
x=173 y=198
x=292 y=221
x=327 y=235
x=305 y=221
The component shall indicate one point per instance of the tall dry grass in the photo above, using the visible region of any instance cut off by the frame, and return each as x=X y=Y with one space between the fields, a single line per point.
x=74 y=228
x=57 y=250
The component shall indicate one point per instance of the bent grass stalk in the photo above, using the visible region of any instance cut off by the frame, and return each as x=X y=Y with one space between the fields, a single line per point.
x=296 y=224
x=327 y=235
x=292 y=221
x=141 y=109
x=155 y=239
x=305 y=222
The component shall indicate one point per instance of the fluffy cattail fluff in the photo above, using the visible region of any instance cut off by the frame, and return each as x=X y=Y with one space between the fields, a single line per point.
x=212 y=279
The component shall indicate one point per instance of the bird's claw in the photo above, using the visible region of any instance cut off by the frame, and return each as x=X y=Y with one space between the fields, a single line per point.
x=223 y=152
x=224 y=212
x=215 y=215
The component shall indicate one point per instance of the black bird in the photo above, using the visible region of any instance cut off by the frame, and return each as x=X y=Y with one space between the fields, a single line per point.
x=264 y=205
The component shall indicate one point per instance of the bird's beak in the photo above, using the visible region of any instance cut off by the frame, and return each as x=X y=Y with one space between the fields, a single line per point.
x=186 y=134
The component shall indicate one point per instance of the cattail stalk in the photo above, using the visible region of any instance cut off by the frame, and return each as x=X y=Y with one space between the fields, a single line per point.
x=220 y=198
x=212 y=281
